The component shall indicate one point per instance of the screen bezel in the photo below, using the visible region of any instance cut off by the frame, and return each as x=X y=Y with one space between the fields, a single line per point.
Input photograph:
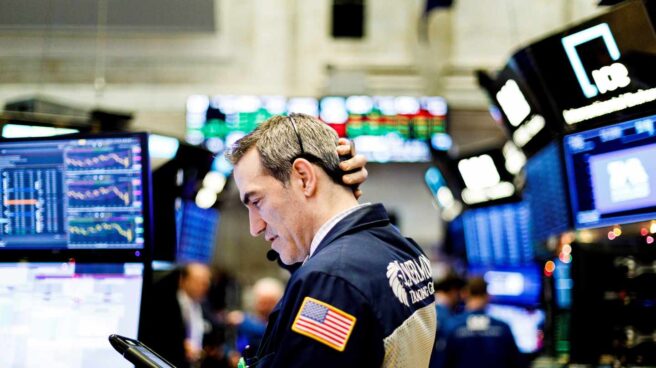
x=95 y=255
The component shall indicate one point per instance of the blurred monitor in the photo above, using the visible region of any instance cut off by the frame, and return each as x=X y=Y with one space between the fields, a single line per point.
x=196 y=228
x=448 y=205
x=384 y=128
x=612 y=173
x=59 y=315
x=526 y=325
x=546 y=194
x=390 y=128
x=563 y=283
x=498 y=235
x=519 y=285
x=78 y=192
x=487 y=176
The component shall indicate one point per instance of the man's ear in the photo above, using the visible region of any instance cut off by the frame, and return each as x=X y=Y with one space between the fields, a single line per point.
x=306 y=175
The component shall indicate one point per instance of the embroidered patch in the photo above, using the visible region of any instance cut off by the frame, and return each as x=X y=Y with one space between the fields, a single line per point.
x=394 y=276
x=323 y=322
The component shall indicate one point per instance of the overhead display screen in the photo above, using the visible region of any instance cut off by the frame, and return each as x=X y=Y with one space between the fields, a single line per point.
x=488 y=176
x=612 y=173
x=523 y=116
x=601 y=70
x=383 y=128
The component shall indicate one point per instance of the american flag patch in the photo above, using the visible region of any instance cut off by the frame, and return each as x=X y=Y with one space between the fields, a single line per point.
x=324 y=323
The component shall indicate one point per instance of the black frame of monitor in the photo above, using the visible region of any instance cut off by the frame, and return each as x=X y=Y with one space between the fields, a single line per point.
x=143 y=254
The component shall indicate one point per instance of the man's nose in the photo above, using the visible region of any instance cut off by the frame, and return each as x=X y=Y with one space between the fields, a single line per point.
x=257 y=225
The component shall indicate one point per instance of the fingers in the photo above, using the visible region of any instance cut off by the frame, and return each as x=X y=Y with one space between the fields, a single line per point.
x=354 y=163
x=356 y=178
x=345 y=147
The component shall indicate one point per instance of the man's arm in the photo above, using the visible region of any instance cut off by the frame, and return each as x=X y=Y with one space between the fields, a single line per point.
x=355 y=163
x=327 y=323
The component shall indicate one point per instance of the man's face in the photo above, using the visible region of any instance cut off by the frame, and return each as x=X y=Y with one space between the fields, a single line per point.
x=197 y=282
x=273 y=209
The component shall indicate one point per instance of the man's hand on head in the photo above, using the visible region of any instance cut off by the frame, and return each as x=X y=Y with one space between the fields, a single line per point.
x=355 y=162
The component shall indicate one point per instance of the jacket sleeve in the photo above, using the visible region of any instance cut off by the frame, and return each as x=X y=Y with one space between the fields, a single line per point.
x=315 y=325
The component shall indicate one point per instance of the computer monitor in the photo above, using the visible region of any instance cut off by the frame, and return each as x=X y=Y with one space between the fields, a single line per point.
x=545 y=192
x=525 y=324
x=516 y=285
x=498 y=235
x=59 y=315
x=75 y=193
x=612 y=173
x=197 y=229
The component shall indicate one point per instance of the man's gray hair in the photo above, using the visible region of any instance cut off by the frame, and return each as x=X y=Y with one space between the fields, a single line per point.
x=278 y=145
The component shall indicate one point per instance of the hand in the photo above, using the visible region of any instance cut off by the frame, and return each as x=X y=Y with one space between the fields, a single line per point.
x=357 y=162
x=235 y=318
x=192 y=353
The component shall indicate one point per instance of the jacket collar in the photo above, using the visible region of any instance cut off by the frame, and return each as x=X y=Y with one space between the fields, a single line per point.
x=365 y=217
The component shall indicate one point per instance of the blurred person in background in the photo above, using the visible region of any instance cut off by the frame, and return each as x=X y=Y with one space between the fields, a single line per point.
x=447 y=304
x=266 y=293
x=475 y=339
x=181 y=326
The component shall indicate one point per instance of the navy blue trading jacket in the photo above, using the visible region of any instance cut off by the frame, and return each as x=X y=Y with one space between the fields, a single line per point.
x=475 y=339
x=364 y=299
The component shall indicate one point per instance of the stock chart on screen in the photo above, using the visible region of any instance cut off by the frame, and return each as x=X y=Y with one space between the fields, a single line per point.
x=72 y=193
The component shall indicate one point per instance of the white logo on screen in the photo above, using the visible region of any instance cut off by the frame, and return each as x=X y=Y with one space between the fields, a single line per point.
x=628 y=180
x=513 y=103
x=607 y=78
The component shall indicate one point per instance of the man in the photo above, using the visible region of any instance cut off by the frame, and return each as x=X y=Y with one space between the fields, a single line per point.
x=180 y=321
x=266 y=293
x=363 y=296
x=447 y=299
x=475 y=339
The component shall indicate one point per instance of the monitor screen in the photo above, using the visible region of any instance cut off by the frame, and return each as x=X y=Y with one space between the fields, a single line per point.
x=487 y=176
x=498 y=235
x=196 y=232
x=546 y=194
x=525 y=324
x=612 y=173
x=517 y=285
x=563 y=283
x=82 y=192
x=383 y=128
x=390 y=128
x=60 y=314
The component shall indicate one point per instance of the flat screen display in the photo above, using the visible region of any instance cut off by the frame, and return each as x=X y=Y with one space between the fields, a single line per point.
x=390 y=128
x=519 y=285
x=383 y=128
x=525 y=324
x=87 y=192
x=498 y=235
x=196 y=232
x=599 y=71
x=612 y=173
x=59 y=315
x=545 y=192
